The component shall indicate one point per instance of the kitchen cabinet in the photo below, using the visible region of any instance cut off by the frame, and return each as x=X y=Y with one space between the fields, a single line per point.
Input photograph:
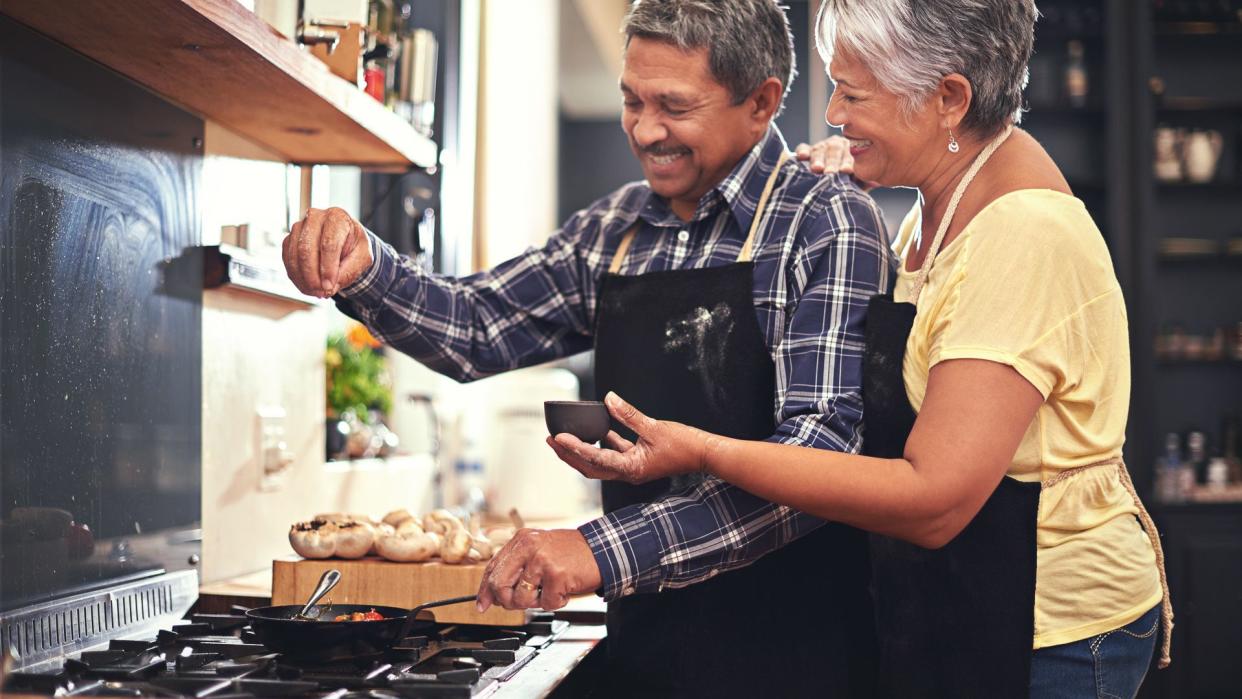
x=222 y=62
x=1204 y=563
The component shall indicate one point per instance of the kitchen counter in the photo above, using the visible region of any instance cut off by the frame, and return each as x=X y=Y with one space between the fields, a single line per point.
x=552 y=666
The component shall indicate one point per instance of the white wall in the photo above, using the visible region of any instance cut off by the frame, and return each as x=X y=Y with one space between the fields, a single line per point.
x=517 y=146
x=256 y=354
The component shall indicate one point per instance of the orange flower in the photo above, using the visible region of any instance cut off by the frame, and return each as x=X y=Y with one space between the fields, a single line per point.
x=360 y=337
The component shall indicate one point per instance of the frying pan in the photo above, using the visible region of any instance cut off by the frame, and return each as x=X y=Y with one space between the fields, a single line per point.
x=313 y=640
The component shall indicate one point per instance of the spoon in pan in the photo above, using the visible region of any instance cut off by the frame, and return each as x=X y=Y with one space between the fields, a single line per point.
x=328 y=581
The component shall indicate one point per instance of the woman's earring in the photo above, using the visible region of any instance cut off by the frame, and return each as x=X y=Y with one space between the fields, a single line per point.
x=953 y=147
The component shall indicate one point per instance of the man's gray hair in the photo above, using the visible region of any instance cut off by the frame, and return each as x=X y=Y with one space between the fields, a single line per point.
x=909 y=45
x=747 y=41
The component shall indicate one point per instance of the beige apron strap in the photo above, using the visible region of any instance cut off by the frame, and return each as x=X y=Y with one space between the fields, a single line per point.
x=745 y=254
x=982 y=158
x=624 y=247
x=1149 y=526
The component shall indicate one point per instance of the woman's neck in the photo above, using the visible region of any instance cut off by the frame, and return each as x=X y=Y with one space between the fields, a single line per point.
x=936 y=190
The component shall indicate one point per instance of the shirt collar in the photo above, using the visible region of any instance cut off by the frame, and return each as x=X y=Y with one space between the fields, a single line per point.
x=747 y=178
x=743 y=187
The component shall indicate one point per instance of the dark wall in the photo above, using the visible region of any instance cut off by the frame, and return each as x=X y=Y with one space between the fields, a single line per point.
x=100 y=332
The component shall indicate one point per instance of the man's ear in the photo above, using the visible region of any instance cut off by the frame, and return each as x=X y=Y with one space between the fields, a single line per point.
x=766 y=100
x=952 y=99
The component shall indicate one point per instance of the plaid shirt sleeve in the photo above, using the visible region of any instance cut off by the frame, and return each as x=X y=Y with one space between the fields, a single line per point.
x=714 y=527
x=525 y=311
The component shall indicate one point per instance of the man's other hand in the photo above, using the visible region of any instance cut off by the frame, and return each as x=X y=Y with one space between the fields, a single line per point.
x=325 y=252
x=539 y=568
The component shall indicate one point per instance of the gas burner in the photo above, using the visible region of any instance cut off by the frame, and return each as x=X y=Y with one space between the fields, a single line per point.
x=214 y=656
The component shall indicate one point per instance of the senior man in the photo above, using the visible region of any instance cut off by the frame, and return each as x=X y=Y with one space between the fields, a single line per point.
x=727 y=291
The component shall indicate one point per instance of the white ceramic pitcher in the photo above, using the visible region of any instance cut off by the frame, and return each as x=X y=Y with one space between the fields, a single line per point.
x=1201 y=151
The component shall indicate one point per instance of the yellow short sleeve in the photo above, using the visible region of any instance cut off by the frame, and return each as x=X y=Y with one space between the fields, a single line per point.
x=1029 y=284
x=1032 y=281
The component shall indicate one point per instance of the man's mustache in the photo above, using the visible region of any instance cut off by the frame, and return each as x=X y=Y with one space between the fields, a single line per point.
x=659 y=149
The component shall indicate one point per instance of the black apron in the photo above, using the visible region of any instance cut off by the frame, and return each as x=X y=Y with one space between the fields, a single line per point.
x=956 y=622
x=685 y=345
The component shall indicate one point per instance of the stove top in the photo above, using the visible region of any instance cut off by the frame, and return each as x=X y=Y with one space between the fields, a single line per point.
x=218 y=656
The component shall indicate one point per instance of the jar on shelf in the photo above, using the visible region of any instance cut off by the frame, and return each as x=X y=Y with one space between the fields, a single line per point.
x=1076 y=82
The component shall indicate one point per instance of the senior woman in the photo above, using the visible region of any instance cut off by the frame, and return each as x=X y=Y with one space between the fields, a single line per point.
x=1011 y=555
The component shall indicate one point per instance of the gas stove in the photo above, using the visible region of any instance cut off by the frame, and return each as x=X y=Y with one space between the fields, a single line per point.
x=218 y=656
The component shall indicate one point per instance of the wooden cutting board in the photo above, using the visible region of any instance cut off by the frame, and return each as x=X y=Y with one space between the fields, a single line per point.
x=380 y=582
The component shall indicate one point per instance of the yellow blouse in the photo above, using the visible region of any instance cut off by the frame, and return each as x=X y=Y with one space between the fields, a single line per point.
x=1029 y=283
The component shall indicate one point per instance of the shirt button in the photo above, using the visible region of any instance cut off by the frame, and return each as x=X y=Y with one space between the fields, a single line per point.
x=683 y=236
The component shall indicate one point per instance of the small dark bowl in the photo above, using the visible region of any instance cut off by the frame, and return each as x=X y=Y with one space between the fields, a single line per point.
x=587 y=420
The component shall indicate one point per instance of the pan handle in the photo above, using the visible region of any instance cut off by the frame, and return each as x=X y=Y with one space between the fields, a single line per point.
x=409 y=618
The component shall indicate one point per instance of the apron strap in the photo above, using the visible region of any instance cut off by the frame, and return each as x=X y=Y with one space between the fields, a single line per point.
x=982 y=158
x=1149 y=527
x=745 y=254
x=623 y=248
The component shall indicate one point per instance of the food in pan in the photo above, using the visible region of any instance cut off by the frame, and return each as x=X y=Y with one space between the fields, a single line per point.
x=360 y=616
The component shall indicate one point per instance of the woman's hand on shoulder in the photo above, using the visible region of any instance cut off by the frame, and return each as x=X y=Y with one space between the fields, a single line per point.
x=829 y=157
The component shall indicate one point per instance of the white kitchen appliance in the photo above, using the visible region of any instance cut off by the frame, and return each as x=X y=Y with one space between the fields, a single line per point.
x=502 y=423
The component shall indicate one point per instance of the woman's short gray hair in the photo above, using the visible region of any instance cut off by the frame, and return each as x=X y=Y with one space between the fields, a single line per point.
x=747 y=41
x=909 y=45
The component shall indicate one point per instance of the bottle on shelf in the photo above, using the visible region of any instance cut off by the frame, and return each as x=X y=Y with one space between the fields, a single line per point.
x=1169 y=469
x=471 y=484
x=1217 y=473
x=1077 y=84
x=1229 y=447
x=1196 y=457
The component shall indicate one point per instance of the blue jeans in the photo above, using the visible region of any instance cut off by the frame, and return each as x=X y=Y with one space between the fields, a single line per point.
x=1108 y=666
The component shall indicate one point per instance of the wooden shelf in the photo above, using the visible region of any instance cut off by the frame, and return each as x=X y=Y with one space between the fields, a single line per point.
x=1169 y=363
x=219 y=60
x=1062 y=109
x=1215 y=258
x=1197 y=104
x=1213 y=186
x=1197 y=28
x=230 y=268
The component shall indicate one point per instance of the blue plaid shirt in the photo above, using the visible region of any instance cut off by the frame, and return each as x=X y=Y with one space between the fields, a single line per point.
x=819 y=255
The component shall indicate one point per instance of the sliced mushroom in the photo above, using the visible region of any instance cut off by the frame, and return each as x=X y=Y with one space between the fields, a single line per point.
x=499 y=536
x=481 y=546
x=442 y=522
x=456 y=546
x=397 y=517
